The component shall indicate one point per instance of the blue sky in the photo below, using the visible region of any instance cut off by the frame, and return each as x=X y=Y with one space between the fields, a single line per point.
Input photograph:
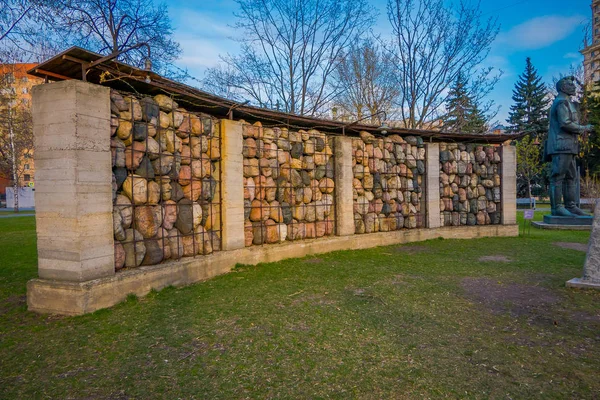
x=548 y=31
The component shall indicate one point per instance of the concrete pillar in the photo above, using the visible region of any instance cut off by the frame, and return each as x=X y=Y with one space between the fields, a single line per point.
x=509 y=184
x=232 y=185
x=432 y=187
x=344 y=203
x=71 y=125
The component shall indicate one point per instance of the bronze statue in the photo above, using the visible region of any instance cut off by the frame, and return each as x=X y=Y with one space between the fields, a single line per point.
x=562 y=147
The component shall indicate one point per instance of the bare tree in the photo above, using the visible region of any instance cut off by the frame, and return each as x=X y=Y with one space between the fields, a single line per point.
x=433 y=43
x=365 y=80
x=289 y=51
x=16 y=131
x=108 y=26
x=24 y=28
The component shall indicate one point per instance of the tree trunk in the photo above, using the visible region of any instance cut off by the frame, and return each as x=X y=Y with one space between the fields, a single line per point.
x=529 y=192
x=14 y=161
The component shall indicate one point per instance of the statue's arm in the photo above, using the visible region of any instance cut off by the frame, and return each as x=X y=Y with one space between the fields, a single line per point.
x=566 y=122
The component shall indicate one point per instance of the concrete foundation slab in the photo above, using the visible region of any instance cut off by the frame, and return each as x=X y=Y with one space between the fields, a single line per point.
x=75 y=298
x=542 y=225
x=583 y=284
x=582 y=220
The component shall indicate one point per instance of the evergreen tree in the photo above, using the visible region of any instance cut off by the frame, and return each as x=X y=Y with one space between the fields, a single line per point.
x=590 y=143
x=529 y=113
x=462 y=112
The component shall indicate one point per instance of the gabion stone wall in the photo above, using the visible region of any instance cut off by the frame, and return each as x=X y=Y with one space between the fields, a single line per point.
x=389 y=175
x=166 y=186
x=470 y=184
x=288 y=184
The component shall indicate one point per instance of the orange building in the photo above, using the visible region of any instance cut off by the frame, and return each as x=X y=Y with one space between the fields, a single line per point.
x=591 y=51
x=16 y=85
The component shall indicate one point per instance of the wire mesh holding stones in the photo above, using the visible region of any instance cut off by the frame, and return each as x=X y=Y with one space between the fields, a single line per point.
x=389 y=175
x=470 y=184
x=166 y=181
x=289 y=185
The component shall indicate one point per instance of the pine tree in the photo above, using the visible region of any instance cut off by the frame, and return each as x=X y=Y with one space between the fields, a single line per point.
x=529 y=113
x=590 y=143
x=462 y=113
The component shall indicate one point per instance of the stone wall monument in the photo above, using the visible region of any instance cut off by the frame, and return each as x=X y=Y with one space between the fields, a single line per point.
x=591 y=268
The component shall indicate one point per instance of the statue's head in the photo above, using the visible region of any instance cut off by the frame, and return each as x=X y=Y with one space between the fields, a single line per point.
x=567 y=85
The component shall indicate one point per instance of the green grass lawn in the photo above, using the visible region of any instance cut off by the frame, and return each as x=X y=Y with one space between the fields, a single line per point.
x=428 y=320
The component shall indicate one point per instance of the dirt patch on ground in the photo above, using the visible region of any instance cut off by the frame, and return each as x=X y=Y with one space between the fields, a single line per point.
x=11 y=303
x=572 y=246
x=316 y=299
x=313 y=260
x=411 y=249
x=495 y=258
x=516 y=298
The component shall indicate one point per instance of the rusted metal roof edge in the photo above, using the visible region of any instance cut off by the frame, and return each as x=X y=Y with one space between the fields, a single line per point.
x=64 y=66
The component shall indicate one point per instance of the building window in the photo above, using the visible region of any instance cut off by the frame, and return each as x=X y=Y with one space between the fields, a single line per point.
x=26 y=167
x=27 y=155
x=24 y=90
x=27 y=177
x=9 y=78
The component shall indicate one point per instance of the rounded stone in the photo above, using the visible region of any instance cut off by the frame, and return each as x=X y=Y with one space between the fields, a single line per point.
x=119 y=256
x=136 y=189
x=154 y=253
x=144 y=222
x=134 y=247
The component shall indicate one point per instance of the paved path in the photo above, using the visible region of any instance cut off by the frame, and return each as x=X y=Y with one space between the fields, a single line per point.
x=16 y=215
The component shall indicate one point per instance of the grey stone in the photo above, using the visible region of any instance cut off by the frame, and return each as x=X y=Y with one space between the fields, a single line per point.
x=286 y=211
x=387 y=209
x=207 y=124
x=176 y=191
x=176 y=167
x=247 y=209
x=471 y=219
x=319 y=144
x=140 y=131
x=209 y=187
x=120 y=176
x=150 y=109
x=305 y=178
x=296 y=178
x=412 y=140
x=474 y=205
x=297 y=150
x=145 y=170
x=329 y=168
x=320 y=172
x=185 y=220
x=444 y=156
x=154 y=253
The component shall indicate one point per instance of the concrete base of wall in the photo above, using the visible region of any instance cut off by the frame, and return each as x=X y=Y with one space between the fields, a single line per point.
x=75 y=298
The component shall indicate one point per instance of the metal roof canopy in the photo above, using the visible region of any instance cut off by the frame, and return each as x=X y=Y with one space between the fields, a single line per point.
x=74 y=64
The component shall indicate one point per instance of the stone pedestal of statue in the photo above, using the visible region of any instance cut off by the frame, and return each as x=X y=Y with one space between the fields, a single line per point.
x=591 y=269
x=578 y=220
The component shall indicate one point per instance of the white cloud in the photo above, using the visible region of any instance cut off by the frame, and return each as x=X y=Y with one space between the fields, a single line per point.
x=573 y=56
x=540 y=32
x=203 y=38
x=205 y=24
